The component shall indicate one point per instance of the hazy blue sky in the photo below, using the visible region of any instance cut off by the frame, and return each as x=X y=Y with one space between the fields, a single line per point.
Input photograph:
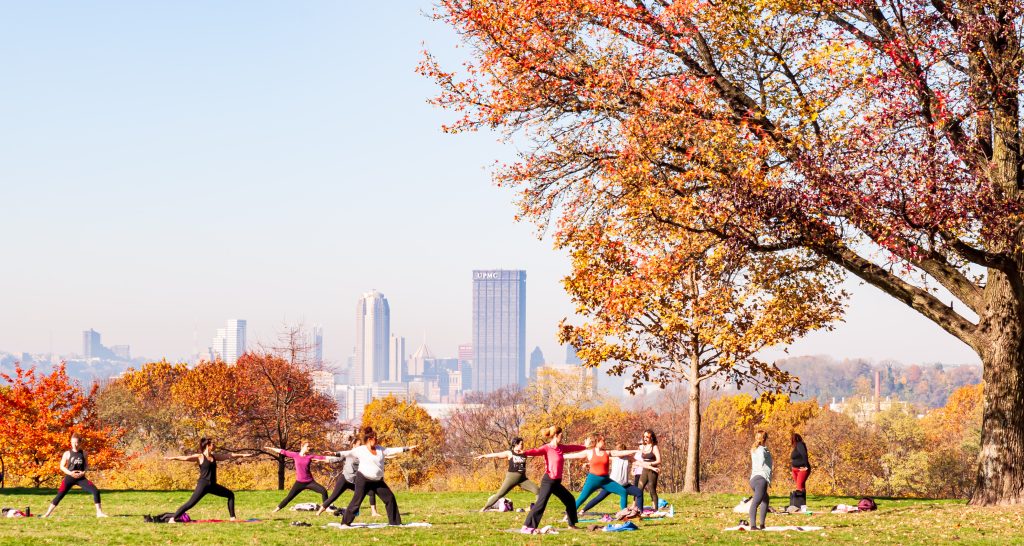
x=165 y=166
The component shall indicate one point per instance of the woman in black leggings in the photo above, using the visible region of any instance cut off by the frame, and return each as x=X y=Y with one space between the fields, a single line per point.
x=651 y=456
x=207 y=483
x=73 y=465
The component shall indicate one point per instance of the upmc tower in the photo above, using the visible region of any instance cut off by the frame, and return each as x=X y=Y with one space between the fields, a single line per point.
x=499 y=329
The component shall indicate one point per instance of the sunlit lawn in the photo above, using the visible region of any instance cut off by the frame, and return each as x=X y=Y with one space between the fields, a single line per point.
x=699 y=520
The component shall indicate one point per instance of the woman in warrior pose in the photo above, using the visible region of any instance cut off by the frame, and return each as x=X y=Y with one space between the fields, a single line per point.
x=346 y=481
x=600 y=477
x=370 y=477
x=554 y=453
x=207 y=483
x=516 y=474
x=303 y=477
x=73 y=464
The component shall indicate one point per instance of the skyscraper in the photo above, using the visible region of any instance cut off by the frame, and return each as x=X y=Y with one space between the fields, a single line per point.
x=229 y=344
x=536 y=361
x=91 y=345
x=571 y=358
x=396 y=364
x=316 y=345
x=373 y=333
x=499 y=329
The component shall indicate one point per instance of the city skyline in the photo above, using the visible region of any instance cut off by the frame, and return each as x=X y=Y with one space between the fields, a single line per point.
x=178 y=128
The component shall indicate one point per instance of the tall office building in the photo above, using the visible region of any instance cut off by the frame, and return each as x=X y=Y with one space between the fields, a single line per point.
x=91 y=345
x=499 y=329
x=229 y=344
x=373 y=335
x=316 y=345
x=466 y=366
x=536 y=362
x=396 y=363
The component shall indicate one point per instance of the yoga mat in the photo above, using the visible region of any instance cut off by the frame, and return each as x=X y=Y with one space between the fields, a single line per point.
x=250 y=520
x=778 y=528
x=337 y=525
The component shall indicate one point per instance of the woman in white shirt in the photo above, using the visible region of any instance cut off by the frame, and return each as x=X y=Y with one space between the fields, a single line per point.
x=370 y=476
x=760 y=478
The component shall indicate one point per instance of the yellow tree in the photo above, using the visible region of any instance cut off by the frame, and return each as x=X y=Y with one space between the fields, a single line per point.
x=404 y=423
x=671 y=307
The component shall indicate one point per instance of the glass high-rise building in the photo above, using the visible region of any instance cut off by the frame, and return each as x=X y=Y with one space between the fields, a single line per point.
x=499 y=329
x=229 y=344
x=373 y=336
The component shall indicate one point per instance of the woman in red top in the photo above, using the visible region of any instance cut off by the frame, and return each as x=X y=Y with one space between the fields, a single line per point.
x=600 y=462
x=551 y=484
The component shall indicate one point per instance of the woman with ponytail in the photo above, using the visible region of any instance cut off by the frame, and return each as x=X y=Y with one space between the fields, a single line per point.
x=760 y=478
x=207 y=483
x=554 y=457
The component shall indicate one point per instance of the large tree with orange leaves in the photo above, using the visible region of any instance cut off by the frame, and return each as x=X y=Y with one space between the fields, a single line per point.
x=884 y=137
x=38 y=414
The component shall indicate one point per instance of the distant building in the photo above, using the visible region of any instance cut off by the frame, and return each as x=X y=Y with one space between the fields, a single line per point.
x=352 y=400
x=391 y=388
x=230 y=342
x=417 y=364
x=571 y=358
x=91 y=345
x=466 y=366
x=499 y=329
x=373 y=335
x=536 y=362
x=396 y=365
x=123 y=352
x=316 y=345
x=323 y=382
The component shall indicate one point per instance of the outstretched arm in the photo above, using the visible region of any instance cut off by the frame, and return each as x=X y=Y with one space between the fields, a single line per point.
x=193 y=457
x=228 y=456
x=578 y=455
x=273 y=449
x=397 y=450
x=624 y=453
x=496 y=455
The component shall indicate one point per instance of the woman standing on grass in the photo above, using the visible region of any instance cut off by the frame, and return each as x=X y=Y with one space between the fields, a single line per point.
x=760 y=478
x=551 y=484
x=516 y=474
x=207 y=483
x=346 y=481
x=650 y=456
x=600 y=470
x=801 y=463
x=73 y=464
x=370 y=477
x=303 y=477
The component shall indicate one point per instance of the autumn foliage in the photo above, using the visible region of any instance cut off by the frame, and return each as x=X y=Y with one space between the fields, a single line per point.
x=38 y=414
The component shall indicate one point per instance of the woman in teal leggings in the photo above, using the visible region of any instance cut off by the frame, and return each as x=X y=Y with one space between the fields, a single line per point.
x=600 y=462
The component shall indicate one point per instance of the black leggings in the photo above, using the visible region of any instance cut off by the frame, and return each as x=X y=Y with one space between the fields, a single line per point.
x=340 y=486
x=649 y=480
x=550 y=487
x=202 y=488
x=362 y=487
x=68 y=482
x=298 y=487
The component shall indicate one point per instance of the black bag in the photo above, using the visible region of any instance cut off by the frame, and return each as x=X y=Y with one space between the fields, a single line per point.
x=798 y=498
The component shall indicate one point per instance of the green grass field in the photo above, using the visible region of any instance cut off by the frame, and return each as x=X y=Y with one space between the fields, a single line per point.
x=699 y=520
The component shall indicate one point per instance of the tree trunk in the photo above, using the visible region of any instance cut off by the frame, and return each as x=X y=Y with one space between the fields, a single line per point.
x=1000 y=478
x=691 y=482
x=280 y=472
